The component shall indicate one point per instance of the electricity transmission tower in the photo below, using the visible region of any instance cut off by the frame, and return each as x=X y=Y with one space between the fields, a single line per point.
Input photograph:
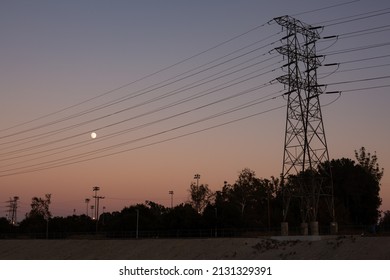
x=96 y=207
x=305 y=146
x=97 y=200
x=12 y=209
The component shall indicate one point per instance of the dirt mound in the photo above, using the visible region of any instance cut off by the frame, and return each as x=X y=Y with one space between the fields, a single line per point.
x=339 y=248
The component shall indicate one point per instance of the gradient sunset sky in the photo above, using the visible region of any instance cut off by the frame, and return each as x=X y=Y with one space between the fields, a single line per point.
x=173 y=88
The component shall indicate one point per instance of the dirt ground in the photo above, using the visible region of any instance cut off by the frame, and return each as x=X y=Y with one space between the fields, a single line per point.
x=327 y=248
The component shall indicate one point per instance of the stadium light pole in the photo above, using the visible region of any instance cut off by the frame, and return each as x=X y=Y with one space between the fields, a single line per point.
x=171 y=193
x=197 y=177
x=95 y=189
x=136 y=231
x=87 y=200
x=92 y=211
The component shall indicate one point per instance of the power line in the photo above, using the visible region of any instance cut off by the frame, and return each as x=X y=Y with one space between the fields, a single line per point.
x=365 y=31
x=154 y=87
x=365 y=59
x=254 y=28
x=361 y=68
x=14 y=172
x=364 y=88
x=142 y=78
x=218 y=88
x=155 y=99
x=356 y=17
x=85 y=143
x=357 y=48
x=244 y=34
x=325 y=8
x=359 y=80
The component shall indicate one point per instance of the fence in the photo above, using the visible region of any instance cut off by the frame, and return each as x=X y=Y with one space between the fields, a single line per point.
x=193 y=233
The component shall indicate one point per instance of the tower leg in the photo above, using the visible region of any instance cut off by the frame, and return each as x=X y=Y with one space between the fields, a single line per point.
x=284 y=229
x=334 y=228
x=304 y=229
x=314 y=228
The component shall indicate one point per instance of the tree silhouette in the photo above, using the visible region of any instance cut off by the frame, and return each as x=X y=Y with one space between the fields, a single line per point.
x=5 y=227
x=385 y=220
x=40 y=207
x=370 y=164
x=36 y=220
x=250 y=203
x=356 y=188
x=200 y=196
x=247 y=202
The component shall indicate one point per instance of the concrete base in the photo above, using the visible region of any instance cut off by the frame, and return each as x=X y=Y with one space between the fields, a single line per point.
x=304 y=229
x=334 y=228
x=314 y=230
x=303 y=237
x=284 y=229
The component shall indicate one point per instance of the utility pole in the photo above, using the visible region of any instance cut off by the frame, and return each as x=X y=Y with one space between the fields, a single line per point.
x=93 y=211
x=97 y=210
x=12 y=209
x=197 y=177
x=305 y=146
x=104 y=210
x=171 y=193
x=87 y=200
x=95 y=189
x=136 y=229
x=97 y=200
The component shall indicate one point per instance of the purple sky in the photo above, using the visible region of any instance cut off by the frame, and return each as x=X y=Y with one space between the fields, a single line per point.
x=117 y=54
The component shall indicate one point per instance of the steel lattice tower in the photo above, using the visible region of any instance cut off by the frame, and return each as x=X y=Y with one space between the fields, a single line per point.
x=305 y=144
x=12 y=210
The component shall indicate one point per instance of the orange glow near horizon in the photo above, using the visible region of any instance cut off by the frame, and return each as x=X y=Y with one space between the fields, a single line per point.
x=162 y=107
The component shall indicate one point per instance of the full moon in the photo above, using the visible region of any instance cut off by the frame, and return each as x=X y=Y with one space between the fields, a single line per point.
x=93 y=135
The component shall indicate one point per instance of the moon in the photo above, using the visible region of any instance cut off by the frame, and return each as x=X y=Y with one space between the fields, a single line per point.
x=93 y=135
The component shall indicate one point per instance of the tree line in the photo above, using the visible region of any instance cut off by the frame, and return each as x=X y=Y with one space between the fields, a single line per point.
x=250 y=203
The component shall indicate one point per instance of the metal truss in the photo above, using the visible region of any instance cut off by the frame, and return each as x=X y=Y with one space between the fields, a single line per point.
x=305 y=146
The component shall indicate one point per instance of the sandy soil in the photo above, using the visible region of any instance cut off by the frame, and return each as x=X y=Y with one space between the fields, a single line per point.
x=328 y=248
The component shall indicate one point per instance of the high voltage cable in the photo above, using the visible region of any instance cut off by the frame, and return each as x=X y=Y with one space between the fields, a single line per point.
x=143 y=146
x=357 y=48
x=187 y=111
x=326 y=8
x=142 y=78
x=364 y=47
x=365 y=88
x=353 y=17
x=224 y=99
x=98 y=108
x=366 y=30
x=228 y=111
x=210 y=48
x=342 y=51
x=365 y=17
x=356 y=69
x=196 y=96
x=84 y=143
x=154 y=87
x=359 y=33
x=359 y=80
x=169 y=94
x=169 y=130
x=65 y=161
x=364 y=59
x=364 y=68
x=207 y=51
x=152 y=135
